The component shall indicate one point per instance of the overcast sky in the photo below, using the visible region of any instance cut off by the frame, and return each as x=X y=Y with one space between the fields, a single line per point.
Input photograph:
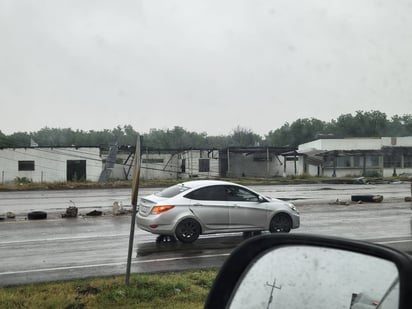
x=207 y=66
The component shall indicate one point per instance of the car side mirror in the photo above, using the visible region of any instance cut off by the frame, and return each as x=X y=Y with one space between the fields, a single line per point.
x=306 y=271
x=262 y=199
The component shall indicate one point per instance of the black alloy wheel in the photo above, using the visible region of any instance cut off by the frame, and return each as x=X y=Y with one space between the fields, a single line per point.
x=188 y=231
x=280 y=223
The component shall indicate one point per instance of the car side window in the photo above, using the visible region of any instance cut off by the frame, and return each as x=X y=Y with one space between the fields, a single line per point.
x=240 y=194
x=212 y=193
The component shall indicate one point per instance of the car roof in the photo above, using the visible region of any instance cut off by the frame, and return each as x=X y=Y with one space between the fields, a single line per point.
x=201 y=183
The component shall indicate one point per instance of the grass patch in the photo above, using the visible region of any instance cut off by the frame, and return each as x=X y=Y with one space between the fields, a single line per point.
x=172 y=290
x=23 y=184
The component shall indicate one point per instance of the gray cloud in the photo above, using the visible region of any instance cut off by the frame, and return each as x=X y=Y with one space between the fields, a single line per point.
x=204 y=65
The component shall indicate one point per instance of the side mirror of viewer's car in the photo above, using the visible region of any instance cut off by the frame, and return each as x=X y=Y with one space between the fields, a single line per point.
x=298 y=271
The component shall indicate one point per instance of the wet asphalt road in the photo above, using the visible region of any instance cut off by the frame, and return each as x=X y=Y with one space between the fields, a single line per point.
x=61 y=249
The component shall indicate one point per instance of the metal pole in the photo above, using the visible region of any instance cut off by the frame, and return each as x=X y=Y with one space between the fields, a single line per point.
x=294 y=161
x=228 y=163
x=135 y=190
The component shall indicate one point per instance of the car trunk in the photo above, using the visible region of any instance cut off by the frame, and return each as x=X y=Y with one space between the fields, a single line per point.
x=146 y=204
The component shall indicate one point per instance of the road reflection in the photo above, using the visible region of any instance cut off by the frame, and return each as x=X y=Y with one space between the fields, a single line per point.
x=167 y=244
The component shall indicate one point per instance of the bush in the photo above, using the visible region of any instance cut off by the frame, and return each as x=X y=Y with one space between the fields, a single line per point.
x=22 y=180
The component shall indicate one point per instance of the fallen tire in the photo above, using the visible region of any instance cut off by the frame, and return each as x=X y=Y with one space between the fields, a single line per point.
x=368 y=198
x=37 y=215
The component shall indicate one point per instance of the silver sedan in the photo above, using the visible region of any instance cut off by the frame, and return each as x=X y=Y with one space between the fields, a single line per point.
x=192 y=208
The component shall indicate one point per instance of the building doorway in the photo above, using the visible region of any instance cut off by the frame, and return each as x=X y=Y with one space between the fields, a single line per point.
x=76 y=170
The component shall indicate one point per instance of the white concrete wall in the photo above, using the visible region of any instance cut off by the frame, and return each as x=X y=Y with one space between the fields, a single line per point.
x=290 y=167
x=405 y=141
x=343 y=144
x=50 y=164
x=241 y=165
x=388 y=172
x=313 y=170
x=343 y=172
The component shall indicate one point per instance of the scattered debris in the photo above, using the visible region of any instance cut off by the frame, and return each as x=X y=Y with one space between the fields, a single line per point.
x=178 y=291
x=337 y=202
x=406 y=175
x=71 y=212
x=356 y=181
x=118 y=209
x=371 y=198
x=360 y=181
x=95 y=213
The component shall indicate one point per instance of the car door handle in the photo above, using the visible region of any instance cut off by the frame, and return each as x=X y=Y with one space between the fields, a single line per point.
x=197 y=204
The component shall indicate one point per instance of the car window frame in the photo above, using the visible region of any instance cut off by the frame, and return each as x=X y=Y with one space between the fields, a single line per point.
x=191 y=195
x=255 y=195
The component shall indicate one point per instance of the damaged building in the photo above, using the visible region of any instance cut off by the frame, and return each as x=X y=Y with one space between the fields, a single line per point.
x=380 y=157
x=50 y=164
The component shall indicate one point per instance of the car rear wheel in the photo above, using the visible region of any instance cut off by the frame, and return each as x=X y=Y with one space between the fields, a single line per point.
x=188 y=231
x=280 y=223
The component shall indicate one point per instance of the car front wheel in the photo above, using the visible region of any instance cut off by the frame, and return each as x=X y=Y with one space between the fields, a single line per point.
x=188 y=231
x=280 y=223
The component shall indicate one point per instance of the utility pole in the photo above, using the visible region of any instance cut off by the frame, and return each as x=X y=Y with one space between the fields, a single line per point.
x=273 y=287
x=135 y=190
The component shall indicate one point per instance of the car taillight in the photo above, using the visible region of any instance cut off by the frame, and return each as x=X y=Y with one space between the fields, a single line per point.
x=159 y=209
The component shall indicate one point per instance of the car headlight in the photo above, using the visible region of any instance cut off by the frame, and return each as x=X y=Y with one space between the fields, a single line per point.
x=293 y=207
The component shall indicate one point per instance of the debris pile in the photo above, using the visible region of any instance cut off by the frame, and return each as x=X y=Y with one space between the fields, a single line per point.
x=118 y=209
x=94 y=213
x=71 y=212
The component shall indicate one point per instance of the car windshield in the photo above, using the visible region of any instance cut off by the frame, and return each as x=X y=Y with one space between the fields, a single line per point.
x=172 y=191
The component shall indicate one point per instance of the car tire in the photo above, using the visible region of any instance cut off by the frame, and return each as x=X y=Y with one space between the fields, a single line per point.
x=165 y=239
x=367 y=198
x=37 y=215
x=281 y=223
x=188 y=231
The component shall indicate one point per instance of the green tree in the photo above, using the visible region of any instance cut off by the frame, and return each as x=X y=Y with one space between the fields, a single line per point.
x=299 y=132
x=19 y=139
x=363 y=124
x=400 y=126
x=243 y=137
x=4 y=140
